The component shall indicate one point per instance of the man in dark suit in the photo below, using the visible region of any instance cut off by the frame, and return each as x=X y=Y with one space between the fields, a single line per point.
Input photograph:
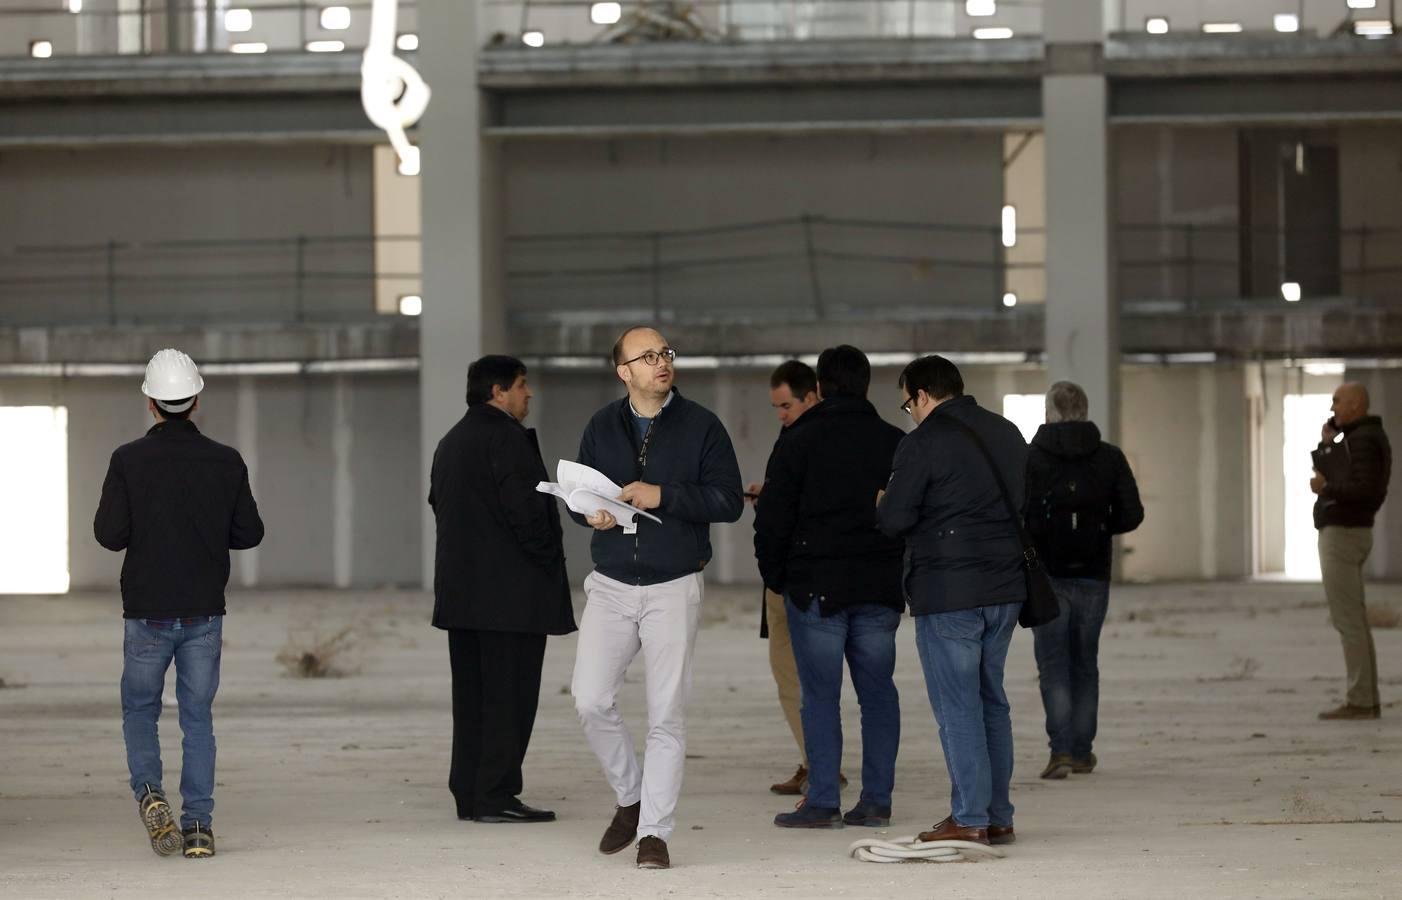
x=499 y=587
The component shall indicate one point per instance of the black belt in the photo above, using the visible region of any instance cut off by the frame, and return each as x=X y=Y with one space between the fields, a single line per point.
x=171 y=623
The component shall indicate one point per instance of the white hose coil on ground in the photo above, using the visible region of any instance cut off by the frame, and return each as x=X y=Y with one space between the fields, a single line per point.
x=908 y=849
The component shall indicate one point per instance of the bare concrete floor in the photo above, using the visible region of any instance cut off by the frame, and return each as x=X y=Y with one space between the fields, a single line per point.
x=1215 y=781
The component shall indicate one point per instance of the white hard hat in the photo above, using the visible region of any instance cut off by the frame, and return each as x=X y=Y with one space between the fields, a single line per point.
x=171 y=375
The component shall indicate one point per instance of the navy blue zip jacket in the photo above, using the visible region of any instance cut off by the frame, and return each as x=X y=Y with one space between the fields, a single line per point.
x=690 y=456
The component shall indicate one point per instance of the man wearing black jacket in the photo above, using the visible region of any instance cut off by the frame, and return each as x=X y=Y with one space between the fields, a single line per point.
x=1353 y=465
x=1080 y=493
x=793 y=390
x=964 y=583
x=499 y=587
x=817 y=544
x=675 y=459
x=177 y=503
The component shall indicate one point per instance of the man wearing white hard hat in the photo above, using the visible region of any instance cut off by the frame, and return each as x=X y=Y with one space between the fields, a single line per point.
x=177 y=503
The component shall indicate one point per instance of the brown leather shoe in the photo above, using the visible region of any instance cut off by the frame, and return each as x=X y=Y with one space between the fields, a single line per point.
x=1083 y=765
x=999 y=834
x=950 y=830
x=622 y=829
x=1352 y=712
x=652 y=854
x=798 y=783
x=794 y=785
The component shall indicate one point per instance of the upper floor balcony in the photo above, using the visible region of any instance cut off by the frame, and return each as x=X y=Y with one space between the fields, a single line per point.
x=751 y=287
x=58 y=29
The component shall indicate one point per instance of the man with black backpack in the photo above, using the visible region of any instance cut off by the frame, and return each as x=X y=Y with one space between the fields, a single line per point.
x=1080 y=493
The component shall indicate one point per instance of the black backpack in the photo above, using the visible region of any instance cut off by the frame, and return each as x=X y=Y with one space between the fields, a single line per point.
x=1070 y=520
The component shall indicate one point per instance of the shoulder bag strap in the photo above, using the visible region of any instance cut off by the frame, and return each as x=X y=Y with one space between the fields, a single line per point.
x=1029 y=552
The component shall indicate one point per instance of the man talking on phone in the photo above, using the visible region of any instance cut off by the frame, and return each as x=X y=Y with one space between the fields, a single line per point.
x=1352 y=466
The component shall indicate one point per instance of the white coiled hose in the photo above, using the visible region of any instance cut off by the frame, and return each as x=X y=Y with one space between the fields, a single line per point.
x=908 y=849
x=392 y=92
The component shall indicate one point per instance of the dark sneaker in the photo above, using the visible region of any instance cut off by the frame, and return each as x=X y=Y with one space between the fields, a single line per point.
x=868 y=815
x=159 y=821
x=1083 y=765
x=1001 y=834
x=810 y=817
x=199 y=842
x=1058 y=767
x=622 y=829
x=1346 y=712
x=652 y=854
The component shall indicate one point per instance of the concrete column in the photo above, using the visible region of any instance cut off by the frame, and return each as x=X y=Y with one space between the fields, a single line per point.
x=342 y=484
x=463 y=315
x=1082 y=310
x=247 y=431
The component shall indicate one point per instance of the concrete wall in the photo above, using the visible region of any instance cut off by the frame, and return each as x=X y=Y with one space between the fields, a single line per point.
x=1370 y=185
x=1165 y=180
x=333 y=461
x=1185 y=434
x=644 y=186
x=398 y=212
x=226 y=193
x=1025 y=189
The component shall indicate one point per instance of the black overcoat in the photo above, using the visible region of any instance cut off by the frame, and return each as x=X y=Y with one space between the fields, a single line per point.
x=500 y=561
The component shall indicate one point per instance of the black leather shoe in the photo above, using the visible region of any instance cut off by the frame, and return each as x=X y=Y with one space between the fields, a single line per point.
x=515 y=812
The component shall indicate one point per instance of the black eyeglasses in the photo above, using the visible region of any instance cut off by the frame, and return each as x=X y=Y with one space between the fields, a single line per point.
x=652 y=357
x=905 y=407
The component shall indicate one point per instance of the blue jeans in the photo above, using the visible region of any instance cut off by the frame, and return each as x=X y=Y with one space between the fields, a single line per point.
x=1067 y=649
x=148 y=651
x=866 y=636
x=963 y=653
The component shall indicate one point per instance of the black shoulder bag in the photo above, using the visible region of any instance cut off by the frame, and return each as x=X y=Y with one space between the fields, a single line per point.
x=1041 y=605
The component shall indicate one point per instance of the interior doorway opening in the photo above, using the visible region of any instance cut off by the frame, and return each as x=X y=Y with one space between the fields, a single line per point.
x=34 y=509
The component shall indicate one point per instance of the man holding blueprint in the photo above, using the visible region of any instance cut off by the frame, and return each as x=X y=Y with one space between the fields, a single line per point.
x=679 y=474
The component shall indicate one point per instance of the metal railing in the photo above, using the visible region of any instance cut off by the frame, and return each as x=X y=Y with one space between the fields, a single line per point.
x=285 y=279
x=799 y=268
x=102 y=28
x=1203 y=265
x=157 y=27
x=1303 y=18
x=551 y=22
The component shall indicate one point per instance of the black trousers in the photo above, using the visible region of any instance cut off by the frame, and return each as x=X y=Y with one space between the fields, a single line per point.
x=496 y=689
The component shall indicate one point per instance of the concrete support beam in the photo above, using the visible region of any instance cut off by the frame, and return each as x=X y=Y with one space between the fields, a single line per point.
x=463 y=300
x=1082 y=317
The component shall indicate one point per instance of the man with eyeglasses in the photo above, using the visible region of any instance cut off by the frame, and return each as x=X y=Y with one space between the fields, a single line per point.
x=964 y=583
x=675 y=459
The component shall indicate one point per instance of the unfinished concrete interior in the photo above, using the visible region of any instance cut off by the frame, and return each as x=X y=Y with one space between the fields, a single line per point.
x=1200 y=223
